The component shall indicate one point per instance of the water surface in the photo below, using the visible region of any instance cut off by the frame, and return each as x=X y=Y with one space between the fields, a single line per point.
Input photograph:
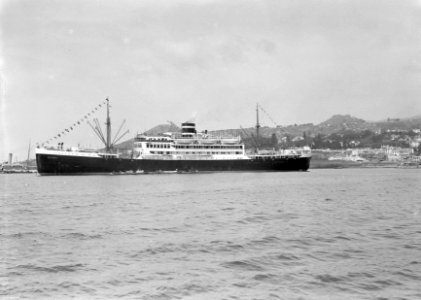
x=322 y=234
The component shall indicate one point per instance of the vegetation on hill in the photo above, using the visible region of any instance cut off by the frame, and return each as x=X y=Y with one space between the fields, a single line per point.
x=338 y=132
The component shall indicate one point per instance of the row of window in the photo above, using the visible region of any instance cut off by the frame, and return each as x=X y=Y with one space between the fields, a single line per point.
x=168 y=146
x=198 y=153
x=137 y=139
x=208 y=147
x=165 y=146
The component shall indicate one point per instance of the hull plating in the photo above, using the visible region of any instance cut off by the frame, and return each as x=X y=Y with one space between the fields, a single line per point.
x=48 y=164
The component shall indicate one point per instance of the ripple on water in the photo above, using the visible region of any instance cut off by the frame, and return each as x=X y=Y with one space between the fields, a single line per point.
x=327 y=278
x=81 y=236
x=243 y=265
x=287 y=257
x=314 y=235
x=29 y=234
x=408 y=274
x=53 y=269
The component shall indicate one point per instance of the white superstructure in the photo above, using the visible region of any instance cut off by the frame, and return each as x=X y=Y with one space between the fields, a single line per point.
x=188 y=145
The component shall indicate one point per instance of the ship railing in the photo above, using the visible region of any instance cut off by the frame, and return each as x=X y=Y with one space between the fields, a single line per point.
x=176 y=157
x=192 y=157
x=108 y=155
x=275 y=156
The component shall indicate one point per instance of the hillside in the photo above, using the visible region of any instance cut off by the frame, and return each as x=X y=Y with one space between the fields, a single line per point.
x=338 y=131
x=339 y=123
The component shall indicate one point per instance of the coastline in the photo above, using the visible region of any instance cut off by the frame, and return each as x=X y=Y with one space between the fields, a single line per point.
x=341 y=164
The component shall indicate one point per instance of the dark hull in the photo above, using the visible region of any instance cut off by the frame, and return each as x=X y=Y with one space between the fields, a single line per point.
x=48 y=164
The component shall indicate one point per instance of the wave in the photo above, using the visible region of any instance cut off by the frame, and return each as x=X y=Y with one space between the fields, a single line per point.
x=54 y=269
x=245 y=265
x=287 y=257
x=327 y=278
x=408 y=274
x=82 y=236
x=21 y=235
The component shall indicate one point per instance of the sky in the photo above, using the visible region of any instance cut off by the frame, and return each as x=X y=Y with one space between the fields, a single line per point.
x=205 y=60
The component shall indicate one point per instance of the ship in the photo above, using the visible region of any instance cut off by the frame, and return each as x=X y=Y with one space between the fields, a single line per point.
x=187 y=151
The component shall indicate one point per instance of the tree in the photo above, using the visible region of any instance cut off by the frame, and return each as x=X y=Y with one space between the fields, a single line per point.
x=274 y=141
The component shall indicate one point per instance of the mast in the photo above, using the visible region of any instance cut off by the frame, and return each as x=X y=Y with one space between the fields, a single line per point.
x=108 y=124
x=105 y=137
x=257 y=121
x=257 y=126
x=29 y=151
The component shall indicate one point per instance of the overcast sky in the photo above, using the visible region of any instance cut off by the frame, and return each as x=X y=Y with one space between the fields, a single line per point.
x=303 y=61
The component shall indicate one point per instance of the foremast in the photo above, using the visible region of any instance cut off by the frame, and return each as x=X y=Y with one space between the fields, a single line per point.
x=108 y=125
x=106 y=138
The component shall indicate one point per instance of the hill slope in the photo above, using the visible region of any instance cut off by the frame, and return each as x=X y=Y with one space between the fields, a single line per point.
x=337 y=124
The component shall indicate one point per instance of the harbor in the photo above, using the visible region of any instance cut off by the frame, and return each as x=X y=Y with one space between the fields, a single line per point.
x=14 y=167
x=384 y=157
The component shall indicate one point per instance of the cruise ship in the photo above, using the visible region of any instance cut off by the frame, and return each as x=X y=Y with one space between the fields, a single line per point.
x=175 y=152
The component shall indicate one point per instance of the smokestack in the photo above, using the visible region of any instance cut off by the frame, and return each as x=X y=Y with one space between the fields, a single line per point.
x=10 y=158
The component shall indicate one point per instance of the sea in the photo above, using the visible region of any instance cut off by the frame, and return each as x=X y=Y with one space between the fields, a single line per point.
x=321 y=234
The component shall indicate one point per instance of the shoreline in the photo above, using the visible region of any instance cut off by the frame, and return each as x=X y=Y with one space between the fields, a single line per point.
x=328 y=164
